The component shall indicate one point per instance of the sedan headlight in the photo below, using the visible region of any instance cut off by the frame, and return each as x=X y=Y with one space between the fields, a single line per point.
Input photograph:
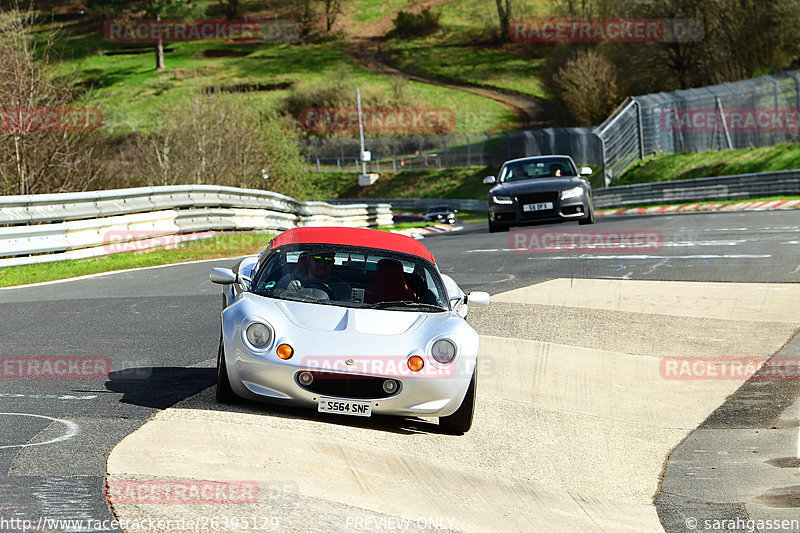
x=499 y=199
x=571 y=193
x=443 y=351
x=258 y=335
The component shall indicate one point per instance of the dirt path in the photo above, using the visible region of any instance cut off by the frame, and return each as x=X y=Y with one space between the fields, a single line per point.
x=365 y=46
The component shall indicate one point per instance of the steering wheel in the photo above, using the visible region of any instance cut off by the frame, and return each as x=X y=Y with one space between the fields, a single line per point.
x=315 y=284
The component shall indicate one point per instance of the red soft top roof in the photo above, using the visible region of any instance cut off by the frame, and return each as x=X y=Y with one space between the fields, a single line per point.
x=366 y=238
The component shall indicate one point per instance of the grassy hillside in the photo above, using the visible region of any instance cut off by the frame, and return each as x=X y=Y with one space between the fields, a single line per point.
x=708 y=164
x=464 y=50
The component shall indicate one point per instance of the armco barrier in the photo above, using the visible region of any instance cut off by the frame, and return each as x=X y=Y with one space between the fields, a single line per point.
x=53 y=227
x=422 y=204
x=738 y=187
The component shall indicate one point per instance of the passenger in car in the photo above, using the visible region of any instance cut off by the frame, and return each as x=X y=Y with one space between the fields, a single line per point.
x=388 y=284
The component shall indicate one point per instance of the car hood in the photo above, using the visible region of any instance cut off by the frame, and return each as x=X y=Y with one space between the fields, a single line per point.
x=537 y=185
x=316 y=317
x=321 y=318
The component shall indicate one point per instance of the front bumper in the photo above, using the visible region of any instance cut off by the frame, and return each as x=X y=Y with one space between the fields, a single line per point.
x=563 y=210
x=256 y=377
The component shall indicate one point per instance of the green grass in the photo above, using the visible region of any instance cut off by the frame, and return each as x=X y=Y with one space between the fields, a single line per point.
x=707 y=164
x=130 y=92
x=223 y=245
x=461 y=51
x=720 y=202
x=439 y=183
x=367 y=11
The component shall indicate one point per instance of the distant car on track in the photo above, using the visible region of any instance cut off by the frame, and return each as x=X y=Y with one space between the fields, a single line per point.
x=539 y=189
x=348 y=321
x=441 y=213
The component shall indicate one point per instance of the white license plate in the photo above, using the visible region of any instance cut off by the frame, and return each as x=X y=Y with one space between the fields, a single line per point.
x=538 y=207
x=344 y=407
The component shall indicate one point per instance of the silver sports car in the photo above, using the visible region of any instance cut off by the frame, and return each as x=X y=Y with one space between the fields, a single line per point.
x=349 y=321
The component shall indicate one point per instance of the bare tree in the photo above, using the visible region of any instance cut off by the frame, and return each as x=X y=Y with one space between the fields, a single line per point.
x=47 y=142
x=588 y=85
x=217 y=139
x=504 y=13
x=332 y=10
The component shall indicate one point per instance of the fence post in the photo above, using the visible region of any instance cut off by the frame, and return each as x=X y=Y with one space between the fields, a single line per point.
x=316 y=152
x=340 y=162
x=603 y=158
x=444 y=150
x=469 y=149
x=639 y=127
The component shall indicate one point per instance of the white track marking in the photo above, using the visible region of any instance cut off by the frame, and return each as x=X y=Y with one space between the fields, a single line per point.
x=72 y=430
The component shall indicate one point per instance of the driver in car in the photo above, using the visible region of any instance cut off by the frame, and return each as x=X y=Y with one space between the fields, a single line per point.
x=319 y=276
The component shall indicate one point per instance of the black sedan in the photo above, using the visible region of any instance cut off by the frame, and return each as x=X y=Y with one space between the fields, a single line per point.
x=539 y=189
x=441 y=213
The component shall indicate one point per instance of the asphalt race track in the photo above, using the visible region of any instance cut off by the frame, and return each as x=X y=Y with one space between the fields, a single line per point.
x=577 y=408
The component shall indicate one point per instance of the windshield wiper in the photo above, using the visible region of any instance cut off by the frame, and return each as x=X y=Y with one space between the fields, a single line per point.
x=406 y=303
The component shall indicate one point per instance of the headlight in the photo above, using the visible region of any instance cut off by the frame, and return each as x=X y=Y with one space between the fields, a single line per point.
x=443 y=351
x=499 y=199
x=258 y=335
x=572 y=193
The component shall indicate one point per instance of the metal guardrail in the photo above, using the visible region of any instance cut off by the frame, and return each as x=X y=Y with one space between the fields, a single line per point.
x=422 y=204
x=738 y=187
x=53 y=227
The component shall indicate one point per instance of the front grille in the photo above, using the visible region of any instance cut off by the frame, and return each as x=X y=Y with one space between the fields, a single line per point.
x=348 y=386
x=537 y=198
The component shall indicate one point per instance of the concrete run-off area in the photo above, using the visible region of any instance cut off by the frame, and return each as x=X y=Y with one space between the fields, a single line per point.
x=574 y=421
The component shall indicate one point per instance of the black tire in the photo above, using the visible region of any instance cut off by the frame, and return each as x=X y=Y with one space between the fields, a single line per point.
x=494 y=228
x=225 y=393
x=459 y=422
x=589 y=219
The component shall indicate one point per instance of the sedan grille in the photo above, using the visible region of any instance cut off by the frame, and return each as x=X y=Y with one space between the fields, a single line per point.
x=348 y=385
x=538 y=198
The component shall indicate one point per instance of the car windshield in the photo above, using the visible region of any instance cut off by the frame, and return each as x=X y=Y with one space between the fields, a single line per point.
x=351 y=277
x=552 y=167
x=438 y=209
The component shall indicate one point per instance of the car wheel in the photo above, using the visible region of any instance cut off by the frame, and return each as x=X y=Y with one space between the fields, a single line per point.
x=494 y=228
x=459 y=422
x=589 y=219
x=225 y=393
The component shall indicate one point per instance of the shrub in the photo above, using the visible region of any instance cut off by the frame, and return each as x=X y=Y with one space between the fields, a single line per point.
x=587 y=85
x=407 y=24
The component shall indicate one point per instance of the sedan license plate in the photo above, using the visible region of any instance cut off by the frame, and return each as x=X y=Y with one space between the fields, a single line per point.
x=538 y=207
x=344 y=407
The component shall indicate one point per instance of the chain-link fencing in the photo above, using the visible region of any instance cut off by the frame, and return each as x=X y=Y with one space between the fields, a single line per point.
x=748 y=113
x=444 y=151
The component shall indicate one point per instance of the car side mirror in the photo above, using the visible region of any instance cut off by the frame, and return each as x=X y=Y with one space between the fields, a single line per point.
x=223 y=276
x=489 y=180
x=585 y=171
x=478 y=298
